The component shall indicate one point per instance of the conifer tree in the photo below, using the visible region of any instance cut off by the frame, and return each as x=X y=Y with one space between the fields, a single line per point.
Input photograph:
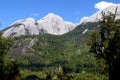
x=105 y=43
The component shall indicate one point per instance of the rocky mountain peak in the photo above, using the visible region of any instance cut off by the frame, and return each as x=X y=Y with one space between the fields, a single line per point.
x=54 y=24
x=52 y=16
x=51 y=24
x=97 y=16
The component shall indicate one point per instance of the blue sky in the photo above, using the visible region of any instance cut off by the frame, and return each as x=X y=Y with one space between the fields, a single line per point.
x=69 y=10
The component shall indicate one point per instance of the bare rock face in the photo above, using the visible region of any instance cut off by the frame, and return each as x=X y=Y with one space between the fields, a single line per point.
x=97 y=16
x=24 y=47
x=51 y=24
x=22 y=27
x=54 y=24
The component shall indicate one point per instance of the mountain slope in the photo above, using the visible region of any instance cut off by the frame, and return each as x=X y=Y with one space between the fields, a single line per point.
x=22 y=27
x=46 y=51
x=51 y=24
x=54 y=24
x=97 y=16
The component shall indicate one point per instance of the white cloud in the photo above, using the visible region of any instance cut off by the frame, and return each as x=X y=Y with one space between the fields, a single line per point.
x=36 y=14
x=76 y=13
x=103 y=4
x=77 y=19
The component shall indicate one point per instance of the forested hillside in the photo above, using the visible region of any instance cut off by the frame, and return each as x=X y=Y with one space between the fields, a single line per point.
x=44 y=55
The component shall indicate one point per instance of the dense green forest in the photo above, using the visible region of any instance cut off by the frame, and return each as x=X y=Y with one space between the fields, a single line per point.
x=72 y=56
x=53 y=53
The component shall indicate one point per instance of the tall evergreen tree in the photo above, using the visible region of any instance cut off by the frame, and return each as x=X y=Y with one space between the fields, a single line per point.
x=105 y=43
x=114 y=47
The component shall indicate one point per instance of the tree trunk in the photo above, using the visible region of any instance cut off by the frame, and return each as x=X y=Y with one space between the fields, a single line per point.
x=114 y=71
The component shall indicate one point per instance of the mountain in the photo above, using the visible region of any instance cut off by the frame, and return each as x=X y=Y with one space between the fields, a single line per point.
x=55 y=25
x=90 y=23
x=46 y=52
x=97 y=16
x=22 y=27
x=51 y=24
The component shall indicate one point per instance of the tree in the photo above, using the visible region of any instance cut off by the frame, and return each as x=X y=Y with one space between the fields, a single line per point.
x=8 y=68
x=115 y=53
x=105 y=43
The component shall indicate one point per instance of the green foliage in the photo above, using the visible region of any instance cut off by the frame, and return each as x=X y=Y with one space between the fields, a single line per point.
x=5 y=44
x=25 y=73
x=8 y=69
x=90 y=76
x=68 y=51
x=104 y=47
x=95 y=36
x=50 y=51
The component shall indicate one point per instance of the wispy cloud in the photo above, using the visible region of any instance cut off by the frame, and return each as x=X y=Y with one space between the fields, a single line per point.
x=34 y=15
x=103 y=4
x=77 y=19
x=76 y=13
x=0 y=24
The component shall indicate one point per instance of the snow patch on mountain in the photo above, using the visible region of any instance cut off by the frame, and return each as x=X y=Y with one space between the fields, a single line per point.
x=85 y=31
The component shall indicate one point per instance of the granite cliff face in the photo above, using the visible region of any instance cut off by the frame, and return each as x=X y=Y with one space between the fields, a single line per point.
x=51 y=24
x=54 y=24
x=97 y=16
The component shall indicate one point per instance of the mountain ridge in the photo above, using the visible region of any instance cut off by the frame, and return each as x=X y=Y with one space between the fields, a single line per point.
x=51 y=24
x=54 y=24
x=98 y=15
